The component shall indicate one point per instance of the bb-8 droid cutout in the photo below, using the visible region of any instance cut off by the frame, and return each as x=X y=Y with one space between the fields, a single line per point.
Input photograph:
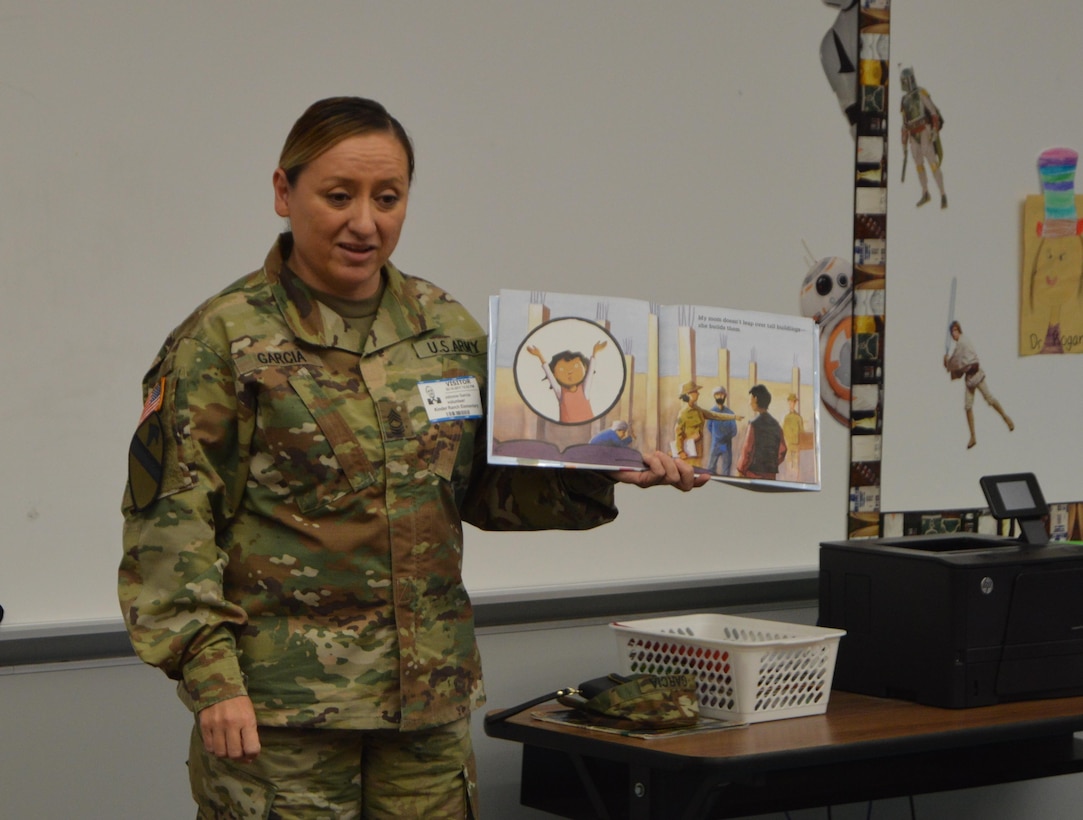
x=827 y=295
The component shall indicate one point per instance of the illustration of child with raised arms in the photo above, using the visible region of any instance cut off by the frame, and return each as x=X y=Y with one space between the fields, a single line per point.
x=569 y=374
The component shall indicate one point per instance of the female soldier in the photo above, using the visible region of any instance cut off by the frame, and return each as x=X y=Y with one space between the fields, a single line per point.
x=293 y=520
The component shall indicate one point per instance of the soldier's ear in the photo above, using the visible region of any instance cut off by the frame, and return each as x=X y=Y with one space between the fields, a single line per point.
x=282 y=193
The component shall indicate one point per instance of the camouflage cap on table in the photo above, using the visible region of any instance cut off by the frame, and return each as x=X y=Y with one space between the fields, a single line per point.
x=640 y=701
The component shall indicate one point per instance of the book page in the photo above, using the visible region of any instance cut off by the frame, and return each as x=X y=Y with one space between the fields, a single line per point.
x=594 y=381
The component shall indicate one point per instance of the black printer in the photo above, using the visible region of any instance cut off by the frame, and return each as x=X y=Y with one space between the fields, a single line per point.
x=955 y=620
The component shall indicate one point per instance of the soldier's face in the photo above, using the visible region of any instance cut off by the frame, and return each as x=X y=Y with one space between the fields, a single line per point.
x=346 y=212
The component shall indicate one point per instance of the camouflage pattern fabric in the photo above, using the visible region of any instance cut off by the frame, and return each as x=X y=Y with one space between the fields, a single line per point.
x=640 y=702
x=301 y=773
x=301 y=538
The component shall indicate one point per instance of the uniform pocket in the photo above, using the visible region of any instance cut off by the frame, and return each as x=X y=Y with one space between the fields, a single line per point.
x=179 y=448
x=307 y=451
x=440 y=442
x=439 y=447
x=355 y=471
x=223 y=790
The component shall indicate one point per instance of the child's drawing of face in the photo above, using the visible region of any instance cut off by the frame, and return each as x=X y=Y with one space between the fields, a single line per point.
x=1057 y=272
x=570 y=372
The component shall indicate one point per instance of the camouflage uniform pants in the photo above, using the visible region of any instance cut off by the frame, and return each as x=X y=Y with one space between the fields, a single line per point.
x=303 y=774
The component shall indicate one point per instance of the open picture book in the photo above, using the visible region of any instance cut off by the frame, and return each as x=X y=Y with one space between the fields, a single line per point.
x=596 y=381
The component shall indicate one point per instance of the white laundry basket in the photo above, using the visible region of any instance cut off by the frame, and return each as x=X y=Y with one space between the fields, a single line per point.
x=746 y=669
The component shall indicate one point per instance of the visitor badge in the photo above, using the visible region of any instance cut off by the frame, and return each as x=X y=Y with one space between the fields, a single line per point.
x=451 y=399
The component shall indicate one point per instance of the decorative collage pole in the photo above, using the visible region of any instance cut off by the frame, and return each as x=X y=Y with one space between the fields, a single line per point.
x=867 y=327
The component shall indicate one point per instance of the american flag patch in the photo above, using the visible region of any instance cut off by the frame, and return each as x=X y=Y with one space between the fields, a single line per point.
x=154 y=400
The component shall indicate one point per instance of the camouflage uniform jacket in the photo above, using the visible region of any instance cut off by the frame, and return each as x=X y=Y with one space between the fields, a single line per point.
x=305 y=544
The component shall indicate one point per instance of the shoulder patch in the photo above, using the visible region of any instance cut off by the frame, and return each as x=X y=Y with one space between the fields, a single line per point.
x=145 y=461
x=154 y=400
x=445 y=345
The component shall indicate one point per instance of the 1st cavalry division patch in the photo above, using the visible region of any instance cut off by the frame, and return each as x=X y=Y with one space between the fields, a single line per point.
x=145 y=458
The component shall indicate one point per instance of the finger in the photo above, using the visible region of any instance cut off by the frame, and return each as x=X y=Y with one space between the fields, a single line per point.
x=214 y=740
x=234 y=743
x=249 y=744
x=658 y=472
x=252 y=745
x=650 y=475
x=670 y=470
x=662 y=468
x=229 y=729
x=686 y=476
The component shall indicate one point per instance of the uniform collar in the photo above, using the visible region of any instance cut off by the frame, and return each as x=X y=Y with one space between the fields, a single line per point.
x=399 y=316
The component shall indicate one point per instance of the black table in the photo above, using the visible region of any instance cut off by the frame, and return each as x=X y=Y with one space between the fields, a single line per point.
x=862 y=748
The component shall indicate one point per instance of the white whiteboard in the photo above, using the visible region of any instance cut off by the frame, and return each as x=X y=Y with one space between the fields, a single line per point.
x=1005 y=77
x=678 y=152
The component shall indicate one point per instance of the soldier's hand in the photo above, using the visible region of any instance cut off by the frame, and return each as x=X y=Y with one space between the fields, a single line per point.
x=663 y=468
x=229 y=729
